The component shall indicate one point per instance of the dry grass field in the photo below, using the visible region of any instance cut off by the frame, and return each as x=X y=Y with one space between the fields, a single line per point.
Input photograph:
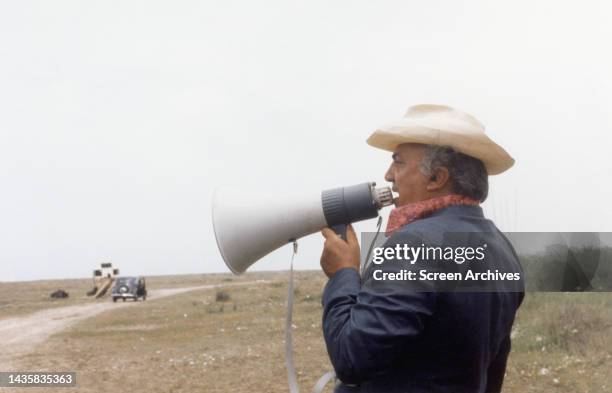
x=191 y=342
x=21 y=298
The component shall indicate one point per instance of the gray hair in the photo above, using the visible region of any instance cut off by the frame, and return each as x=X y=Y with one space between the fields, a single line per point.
x=468 y=175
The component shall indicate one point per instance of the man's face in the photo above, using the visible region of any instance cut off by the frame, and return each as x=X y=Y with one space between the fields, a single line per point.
x=406 y=176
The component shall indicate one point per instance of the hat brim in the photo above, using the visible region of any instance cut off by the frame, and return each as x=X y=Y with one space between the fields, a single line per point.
x=478 y=145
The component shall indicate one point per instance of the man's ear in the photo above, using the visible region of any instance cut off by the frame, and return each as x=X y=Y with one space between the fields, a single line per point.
x=438 y=179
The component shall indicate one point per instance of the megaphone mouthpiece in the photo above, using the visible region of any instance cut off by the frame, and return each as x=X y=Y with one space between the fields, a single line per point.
x=345 y=205
x=383 y=197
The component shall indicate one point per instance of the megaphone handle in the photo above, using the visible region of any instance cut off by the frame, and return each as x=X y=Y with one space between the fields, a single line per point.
x=340 y=229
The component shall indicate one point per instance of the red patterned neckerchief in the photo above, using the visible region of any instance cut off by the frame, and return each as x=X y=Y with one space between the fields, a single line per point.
x=404 y=215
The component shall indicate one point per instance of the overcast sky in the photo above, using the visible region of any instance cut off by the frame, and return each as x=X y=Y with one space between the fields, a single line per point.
x=119 y=118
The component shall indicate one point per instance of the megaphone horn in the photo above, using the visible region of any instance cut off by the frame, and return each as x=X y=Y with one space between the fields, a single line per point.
x=249 y=227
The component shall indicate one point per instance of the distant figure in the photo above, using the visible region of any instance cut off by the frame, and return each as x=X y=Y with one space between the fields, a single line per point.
x=59 y=294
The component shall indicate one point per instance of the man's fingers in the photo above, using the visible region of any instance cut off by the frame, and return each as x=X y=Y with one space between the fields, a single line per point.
x=328 y=233
x=351 y=236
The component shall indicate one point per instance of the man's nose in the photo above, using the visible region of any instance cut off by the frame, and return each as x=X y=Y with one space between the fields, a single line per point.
x=389 y=176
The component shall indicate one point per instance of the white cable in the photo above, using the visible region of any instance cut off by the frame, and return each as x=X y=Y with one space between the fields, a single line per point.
x=291 y=375
x=323 y=381
x=367 y=258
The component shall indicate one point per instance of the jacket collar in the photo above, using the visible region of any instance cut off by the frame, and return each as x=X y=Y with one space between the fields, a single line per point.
x=459 y=210
x=407 y=214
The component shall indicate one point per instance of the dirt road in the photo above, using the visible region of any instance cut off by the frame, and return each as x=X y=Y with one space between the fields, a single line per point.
x=21 y=335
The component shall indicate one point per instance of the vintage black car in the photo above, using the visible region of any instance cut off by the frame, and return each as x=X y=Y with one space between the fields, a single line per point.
x=129 y=288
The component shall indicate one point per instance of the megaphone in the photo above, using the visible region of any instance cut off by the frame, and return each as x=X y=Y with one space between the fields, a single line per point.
x=248 y=227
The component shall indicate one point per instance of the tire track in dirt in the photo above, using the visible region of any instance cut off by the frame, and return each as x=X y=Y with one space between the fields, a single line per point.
x=20 y=335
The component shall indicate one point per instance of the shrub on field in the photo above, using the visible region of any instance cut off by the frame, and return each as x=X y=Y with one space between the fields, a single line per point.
x=577 y=325
x=222 y=296
x=567 y=322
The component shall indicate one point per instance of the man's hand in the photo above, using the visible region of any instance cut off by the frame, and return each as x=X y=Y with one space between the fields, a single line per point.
x=337 y=253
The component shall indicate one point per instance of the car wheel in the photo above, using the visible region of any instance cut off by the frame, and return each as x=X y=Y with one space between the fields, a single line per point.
x=114 y=300
x=124 y=299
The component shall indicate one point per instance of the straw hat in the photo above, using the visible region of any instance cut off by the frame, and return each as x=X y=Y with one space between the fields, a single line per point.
x=444 y=126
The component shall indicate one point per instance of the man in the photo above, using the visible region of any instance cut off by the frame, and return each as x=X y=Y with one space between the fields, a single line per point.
x=410 y=336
